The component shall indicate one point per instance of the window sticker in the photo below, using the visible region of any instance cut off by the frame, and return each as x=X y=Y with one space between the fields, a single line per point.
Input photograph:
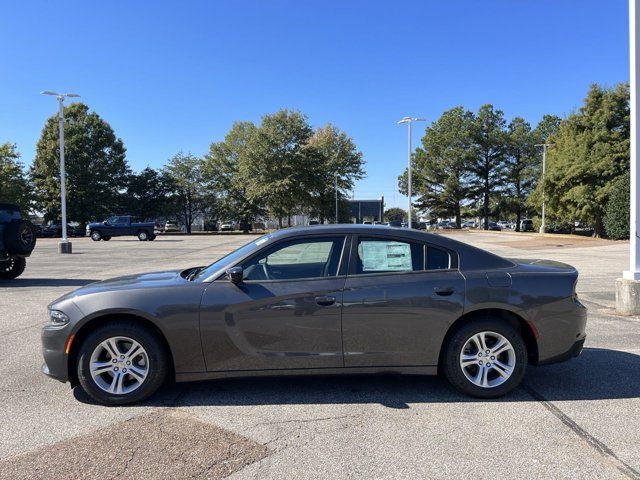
x=386 y=256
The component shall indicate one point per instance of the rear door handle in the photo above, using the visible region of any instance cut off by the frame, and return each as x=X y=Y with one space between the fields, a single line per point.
x=443 y=291
x=325 y=300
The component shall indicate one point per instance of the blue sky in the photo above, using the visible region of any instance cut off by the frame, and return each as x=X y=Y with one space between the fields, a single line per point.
x=172 y=76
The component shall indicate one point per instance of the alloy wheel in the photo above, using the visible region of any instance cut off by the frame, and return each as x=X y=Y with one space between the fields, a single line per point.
x=487 y=359
x=119 y=365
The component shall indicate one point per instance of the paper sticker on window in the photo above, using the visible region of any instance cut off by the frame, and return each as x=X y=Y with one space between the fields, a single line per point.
x=385 y=256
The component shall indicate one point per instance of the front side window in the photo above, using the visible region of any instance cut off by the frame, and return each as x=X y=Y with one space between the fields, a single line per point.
x=294 y=259
x=378 y=255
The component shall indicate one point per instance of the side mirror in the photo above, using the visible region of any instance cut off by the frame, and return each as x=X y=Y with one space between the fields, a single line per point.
x=235 y=274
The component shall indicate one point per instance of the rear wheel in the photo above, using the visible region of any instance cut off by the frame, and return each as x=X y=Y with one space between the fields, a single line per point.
x=121 y=363
x=485 y=359
x=143 y=236
x=12 y=267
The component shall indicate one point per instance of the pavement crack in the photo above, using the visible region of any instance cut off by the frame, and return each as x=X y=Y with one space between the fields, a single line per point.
x=592 y=441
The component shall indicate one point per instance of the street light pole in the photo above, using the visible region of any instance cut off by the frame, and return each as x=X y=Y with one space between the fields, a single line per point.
x=544 y=172
x=65 y=245
x=409 y=120
x=336 y=197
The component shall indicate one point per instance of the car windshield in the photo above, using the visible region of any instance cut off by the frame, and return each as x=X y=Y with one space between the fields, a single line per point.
x=228 y=259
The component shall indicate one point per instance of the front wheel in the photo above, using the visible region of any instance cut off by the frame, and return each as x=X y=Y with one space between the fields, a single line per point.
x=485 y=359
x=96 y=236
x=121 y=363
x=12 y=267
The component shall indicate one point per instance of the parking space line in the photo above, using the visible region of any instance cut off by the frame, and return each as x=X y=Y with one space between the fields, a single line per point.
x=596 y=444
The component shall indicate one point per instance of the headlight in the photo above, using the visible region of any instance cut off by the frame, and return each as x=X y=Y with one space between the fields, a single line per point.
x=58 y=318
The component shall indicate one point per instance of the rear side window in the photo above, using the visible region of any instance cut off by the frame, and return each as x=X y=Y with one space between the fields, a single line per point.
x=437 y=259
x=378 y=255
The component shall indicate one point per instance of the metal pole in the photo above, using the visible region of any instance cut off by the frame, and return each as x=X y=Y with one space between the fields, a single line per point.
x=544 y=171
x=63 y=193
x=336 y=197
x=409 y=179
x=634 y=255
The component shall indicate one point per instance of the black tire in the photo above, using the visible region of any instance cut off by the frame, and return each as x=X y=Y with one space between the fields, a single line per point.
x=157 y=362
x=12 y=267
x=106 y=239
x=454 y=373
x=20 y=237
x=96 y=236
x=143 y=236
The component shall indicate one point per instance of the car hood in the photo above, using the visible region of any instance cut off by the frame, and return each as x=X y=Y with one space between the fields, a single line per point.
x=129 y=282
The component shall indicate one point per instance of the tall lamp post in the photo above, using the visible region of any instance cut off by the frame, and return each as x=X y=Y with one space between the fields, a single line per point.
x=65 y=245
x=544 y=146
x=628 y=287
x=409 y=121
x=336 y=185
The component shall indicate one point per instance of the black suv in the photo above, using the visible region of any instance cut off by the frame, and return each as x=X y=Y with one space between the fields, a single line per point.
x=17 y=241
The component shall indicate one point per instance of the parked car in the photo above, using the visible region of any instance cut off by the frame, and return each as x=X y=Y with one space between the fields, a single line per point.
x=526 y=225
x=245 y=227
x=17 y=241
x=228 y=226
x=504 y=224
x=171 y=227
x=395 y=223
x=495 y=227
x=121 y=226
x=379 y=300
x=54 y=230
x=469 y=224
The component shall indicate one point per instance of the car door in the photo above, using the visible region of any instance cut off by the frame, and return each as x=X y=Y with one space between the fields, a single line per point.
x=286 y=313
x=400 y=296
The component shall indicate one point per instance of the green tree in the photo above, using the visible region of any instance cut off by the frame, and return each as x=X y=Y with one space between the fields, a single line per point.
x=190 y=196
x=591 y=150
x=487 y=160
x=333 y=154
x=440 y=177
x=616 y=218
x=395 y=214
x=149 y=194
x=95 y=164
x=547 y=127
x=276 y=166
x=522 y=166
x=221 y=172
x=14 y=187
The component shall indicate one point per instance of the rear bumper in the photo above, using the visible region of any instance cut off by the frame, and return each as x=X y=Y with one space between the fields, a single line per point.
x=562 y=331
x=574 y=351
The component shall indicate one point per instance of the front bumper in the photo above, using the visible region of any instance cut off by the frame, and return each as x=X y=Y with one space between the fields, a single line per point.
x=54 y=343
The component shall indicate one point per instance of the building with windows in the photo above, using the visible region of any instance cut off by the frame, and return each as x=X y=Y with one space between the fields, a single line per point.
x=366 y=210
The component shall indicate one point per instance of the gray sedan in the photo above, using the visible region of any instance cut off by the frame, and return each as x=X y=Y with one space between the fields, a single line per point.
x=325 y=299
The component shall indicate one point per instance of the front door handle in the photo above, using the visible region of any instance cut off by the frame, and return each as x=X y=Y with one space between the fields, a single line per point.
x=325 y=300
x=443 y=291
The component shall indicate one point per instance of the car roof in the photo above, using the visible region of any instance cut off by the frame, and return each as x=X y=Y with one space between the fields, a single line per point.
x=470 y=258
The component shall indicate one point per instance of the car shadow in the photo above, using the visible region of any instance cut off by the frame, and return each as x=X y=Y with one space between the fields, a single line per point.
x=47 y=282
x=598 y=374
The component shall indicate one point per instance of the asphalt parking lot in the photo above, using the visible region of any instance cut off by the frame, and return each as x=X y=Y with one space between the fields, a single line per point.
x=579 y=419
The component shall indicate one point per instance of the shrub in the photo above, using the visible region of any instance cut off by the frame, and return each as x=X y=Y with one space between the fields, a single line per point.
x=616 y=217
